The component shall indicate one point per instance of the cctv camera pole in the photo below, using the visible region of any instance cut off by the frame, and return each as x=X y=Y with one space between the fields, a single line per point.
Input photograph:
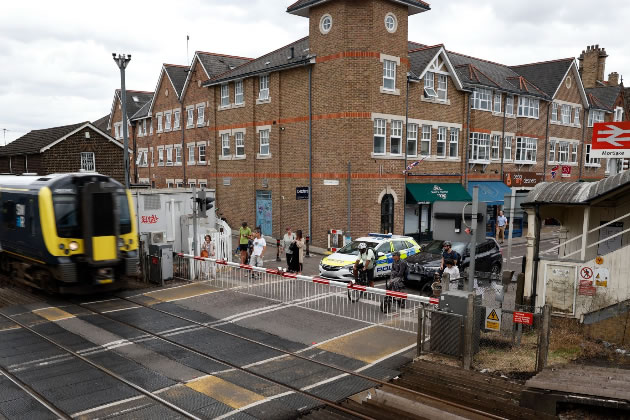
x=473 y=240
x=122 y=61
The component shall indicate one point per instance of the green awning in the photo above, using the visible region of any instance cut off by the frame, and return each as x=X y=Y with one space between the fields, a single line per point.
x=429 y=193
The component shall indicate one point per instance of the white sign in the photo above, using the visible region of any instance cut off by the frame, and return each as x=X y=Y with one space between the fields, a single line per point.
x=601 y=277
x=493 y=319
x=331 y=182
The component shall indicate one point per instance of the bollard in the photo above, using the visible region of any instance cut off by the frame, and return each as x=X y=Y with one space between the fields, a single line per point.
x=308 y=240
x=278 y=249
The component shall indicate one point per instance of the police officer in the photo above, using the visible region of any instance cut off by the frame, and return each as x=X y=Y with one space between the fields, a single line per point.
x=367 y=258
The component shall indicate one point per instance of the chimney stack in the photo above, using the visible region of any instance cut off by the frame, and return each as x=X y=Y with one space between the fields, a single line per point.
x=613 y=79
x=592 y=65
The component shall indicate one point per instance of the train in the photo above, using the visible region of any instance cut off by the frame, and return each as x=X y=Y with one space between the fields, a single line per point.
x=67 y=233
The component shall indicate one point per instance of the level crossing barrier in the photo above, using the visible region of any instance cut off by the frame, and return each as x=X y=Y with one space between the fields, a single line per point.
x=366 y=304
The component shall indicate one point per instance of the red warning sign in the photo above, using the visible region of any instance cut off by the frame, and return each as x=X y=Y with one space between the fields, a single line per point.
x=526 y=318
x=586 y=273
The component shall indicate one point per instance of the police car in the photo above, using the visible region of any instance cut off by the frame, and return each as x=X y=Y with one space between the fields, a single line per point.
x=338 y=266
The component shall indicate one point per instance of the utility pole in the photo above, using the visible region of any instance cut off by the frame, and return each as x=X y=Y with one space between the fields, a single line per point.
x=122 y=61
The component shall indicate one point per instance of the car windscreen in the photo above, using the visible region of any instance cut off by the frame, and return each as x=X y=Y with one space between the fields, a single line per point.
x=353 y=247
x=434 y=247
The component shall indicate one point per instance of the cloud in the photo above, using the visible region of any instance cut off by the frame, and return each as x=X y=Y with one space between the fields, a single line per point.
x=57 y=66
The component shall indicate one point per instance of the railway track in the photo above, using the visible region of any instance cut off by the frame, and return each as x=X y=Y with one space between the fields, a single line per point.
x=365 y=410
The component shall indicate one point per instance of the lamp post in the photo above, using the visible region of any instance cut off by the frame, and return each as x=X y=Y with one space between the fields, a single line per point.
x=122 y=61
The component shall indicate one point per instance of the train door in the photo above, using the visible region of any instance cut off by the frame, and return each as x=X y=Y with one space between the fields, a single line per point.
x=100 y=222
x=264 y=209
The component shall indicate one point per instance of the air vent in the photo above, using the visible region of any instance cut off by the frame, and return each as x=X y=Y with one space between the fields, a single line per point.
x=152 y=202
x=157 y=237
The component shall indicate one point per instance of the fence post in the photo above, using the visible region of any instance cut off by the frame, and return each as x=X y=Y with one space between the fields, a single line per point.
x=277 y=249
x=421 y=327
x=468 y=332
x=308 y=241
x=543 y=339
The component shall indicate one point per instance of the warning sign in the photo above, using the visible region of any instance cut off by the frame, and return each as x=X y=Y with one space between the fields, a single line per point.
x=599 y=260
x=493 y=319
x=601 y=277
x=586 y=288
x=526 y=318
x=586 y=273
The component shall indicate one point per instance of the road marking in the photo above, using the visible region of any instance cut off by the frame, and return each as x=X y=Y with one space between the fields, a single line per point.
x=180 y=293
x=53 y=314
x=224 y=391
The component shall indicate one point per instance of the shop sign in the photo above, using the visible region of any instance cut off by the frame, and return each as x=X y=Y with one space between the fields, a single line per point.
x=522 y=179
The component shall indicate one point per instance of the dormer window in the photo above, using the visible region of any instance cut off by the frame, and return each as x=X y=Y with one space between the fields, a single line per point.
x=429 y=85
x=442 y=87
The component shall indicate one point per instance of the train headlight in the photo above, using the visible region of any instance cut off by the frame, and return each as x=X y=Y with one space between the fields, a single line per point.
x=121 y=242
x=73 y=246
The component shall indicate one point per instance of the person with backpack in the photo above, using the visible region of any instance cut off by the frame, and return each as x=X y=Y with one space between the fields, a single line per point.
x=366 y=259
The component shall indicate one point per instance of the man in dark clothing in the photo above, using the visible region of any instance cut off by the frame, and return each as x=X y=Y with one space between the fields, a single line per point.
x=449 y=253
x=399 y=272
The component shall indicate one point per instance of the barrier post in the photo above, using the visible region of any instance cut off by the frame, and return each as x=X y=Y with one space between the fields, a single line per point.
x=277 y=249
x=308 y=241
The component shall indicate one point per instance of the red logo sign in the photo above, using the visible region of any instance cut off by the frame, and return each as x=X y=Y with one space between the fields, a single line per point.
x=611 y=135
x=149 y=220
x=566 y=171
x=526 y=318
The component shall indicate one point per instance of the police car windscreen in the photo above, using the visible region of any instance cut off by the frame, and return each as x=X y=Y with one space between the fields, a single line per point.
x=353 y=247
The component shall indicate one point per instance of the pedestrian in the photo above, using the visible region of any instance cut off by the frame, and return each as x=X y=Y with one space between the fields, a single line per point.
x=260 y=245
x=287 y=241
x=298 y=260
x=448 y=253
x=451 y=269
x=210 y=251
x=502 y=223
x=399 y=272
x=245 y=234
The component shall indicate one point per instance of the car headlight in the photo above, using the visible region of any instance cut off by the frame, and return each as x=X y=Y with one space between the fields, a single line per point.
x=349 y=266
x=73 y=246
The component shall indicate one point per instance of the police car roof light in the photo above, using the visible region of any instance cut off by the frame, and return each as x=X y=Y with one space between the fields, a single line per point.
x=380 y=235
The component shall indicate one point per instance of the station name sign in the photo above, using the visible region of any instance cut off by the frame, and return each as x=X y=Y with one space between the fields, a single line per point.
x=611 y=140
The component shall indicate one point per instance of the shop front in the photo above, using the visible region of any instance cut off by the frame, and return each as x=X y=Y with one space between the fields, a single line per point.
x=419 y=211
x=492 y=193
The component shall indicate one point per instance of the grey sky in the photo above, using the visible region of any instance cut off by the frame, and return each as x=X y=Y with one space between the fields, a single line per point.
x=56 y=66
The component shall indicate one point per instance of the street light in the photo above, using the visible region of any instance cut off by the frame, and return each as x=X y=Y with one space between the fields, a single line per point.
x=122 y=61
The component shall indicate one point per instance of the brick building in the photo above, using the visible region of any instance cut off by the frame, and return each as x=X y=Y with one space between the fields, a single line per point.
x=345 y=109
x=70 y=148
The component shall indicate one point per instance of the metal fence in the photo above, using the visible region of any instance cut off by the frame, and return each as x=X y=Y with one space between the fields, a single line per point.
x=441 y=333
x=371 y=305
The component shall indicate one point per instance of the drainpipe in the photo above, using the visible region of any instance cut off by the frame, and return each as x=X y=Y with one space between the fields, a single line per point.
x=581 y=162
x=502 y=145
x=467 y=141
x=181 y=125
x=405 y=152
x=546 y=142
x=310 y=153
x=536 y=256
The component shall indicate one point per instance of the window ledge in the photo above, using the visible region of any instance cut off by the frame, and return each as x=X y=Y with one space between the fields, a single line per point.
x=225 y=157
x=263 y=101
x=524 y=162
x=497 y=114
x=531 y=118
x=510 y=116
x=202 y=163
x=203 y=124
x=562 y=163
x=176 y=128
x=479 y=109
x=592 y=165
x=160 y=164
x=479 y=162
x=224 y=107
x=191 y=163
x=169 y=164
x=190 y=125
x=177 y=164
x=241 y=105
x=435 y=101
x=259 y=156
x=390 y=92
x=241 y=157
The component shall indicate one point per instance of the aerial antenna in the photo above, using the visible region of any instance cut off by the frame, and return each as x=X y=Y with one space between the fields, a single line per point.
x=187 y=39
x=4 y=135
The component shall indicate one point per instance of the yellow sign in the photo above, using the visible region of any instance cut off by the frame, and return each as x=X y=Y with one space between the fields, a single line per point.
x=601 y=277
x=599 y=260
x=493 y=319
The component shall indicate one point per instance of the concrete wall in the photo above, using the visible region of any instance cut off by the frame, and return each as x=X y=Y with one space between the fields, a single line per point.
x=444 y=228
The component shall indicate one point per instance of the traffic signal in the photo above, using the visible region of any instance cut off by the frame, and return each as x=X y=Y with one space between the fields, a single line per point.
x=204 y=202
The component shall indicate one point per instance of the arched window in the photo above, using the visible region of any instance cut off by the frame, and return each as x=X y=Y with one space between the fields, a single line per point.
x=387 y=214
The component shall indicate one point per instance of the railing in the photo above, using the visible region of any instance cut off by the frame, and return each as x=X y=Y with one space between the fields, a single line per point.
x=366 y=304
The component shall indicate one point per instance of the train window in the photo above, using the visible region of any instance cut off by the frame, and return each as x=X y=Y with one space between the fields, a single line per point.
x=8 y=214
x=103 y=214
x=66 y=216
x=124 y=216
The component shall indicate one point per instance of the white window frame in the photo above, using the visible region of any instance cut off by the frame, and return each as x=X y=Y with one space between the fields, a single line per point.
x=176 y=119
x=178 y=154
x=144 y=127
x=239 y=97
x=562 y=152
x=482 y=99
x=453 y=143
x=412 y=140
x=589 y=161
x=160 y=128
x=167 y=121
x=552 y=151
x=526 y=147
x=191 y=153
x=618 y=115
x=264 y=144
x=201 y=153
x=509 y=105
x=595 y=116
x=576 y=116
x=144 y=158
x=118 y=130
x=528 y=107
x=395 y=138
x=389 y=75
x=442 y=89
x=225 y=145
x=567 y=113
x=429 y=85
x=152 y=156
x=88 y=161
x=479 y=148
x=239 y=143
x=190 y=116
x=554 y=112
x=151 y=126
x=380 y=136
x=441 y=142
x=426 y=140
x=263 y=87
x=169 y=155
x=225 y=95
x=201 y=115
x=507 y=148
x=574 y=152
x=160 y=153
x=495 y=147
x=498 y=97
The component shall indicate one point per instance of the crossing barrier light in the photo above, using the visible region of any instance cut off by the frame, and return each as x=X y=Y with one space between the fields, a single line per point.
x=204 y=203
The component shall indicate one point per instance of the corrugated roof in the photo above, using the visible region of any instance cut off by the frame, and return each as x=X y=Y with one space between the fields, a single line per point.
x=178 y=75
x=603 y=97
x=301 y=7
x=576 y=192
x=275 y=60
x=545 y=75
x=36 y=140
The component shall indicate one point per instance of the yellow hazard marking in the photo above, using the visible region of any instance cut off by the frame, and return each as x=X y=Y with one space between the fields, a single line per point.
x=491 y=325
x=179 y=293
x=53 y=314
x=599 y=260
x=371 y=344
x=224 y=391
x=493 y=316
